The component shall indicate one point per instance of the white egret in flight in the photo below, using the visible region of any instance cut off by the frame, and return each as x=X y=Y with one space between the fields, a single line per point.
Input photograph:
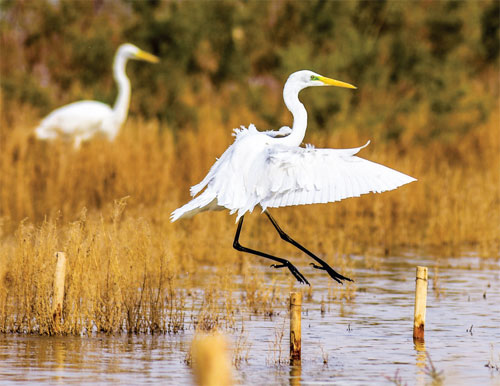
x=262 y=168
x=80 y=121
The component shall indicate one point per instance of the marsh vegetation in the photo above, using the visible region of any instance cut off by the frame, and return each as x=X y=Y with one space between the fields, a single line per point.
x=130 y=269
x=428 y=89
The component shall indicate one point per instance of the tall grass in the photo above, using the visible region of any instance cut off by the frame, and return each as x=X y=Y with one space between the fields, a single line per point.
x=129 y=269
x=454 y=205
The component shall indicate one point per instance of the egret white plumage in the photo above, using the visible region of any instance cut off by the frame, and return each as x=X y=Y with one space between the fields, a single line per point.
x=265 y=169
x=80 y=121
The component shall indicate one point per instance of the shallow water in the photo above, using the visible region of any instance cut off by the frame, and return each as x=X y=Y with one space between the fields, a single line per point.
x=364 y=341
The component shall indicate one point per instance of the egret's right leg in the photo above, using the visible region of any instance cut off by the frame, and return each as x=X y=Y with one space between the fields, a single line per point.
x=283 y=262
x=323 y=265
x=77 y=142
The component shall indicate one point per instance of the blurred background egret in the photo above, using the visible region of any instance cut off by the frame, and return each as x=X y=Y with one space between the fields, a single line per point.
x=80 y=121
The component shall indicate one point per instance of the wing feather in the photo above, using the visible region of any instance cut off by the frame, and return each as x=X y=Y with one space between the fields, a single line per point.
x=308 y=176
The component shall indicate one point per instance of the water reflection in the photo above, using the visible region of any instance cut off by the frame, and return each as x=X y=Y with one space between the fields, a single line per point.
x=295 y=373
x=59 y=359
x=421 y=356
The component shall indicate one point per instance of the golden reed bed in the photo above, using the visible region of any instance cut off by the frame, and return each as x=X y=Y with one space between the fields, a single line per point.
x=107 y=207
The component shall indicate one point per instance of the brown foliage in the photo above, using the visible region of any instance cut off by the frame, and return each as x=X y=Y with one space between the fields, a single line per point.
x=130 y=269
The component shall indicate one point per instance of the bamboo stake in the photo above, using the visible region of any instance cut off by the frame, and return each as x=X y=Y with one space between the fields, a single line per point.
x=295 y=326
x=59 y=276
x=420 y=303
x=211 y=362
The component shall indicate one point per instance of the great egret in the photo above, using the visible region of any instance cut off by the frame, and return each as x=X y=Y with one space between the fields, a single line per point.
x=262 y=168
x=80 y=121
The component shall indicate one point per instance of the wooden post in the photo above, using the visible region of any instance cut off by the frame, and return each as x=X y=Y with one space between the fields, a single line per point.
x=59 y=288
x=420 y=303
x=211 y=362
x=295 y=326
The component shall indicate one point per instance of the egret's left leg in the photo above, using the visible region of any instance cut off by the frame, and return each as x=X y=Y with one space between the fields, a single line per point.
x=283 y=262
x=323 y=265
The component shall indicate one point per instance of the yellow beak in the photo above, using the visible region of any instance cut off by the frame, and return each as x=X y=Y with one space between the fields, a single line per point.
x=143 y=55
x=333 y=82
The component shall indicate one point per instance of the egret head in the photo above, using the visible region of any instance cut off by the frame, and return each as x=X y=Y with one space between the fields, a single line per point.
x=305 y=78
x=129 y=51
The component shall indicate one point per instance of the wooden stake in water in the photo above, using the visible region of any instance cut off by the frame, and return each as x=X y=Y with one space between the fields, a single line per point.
x=59 y=287
x=211 y=362
x=420 y=303
x=295 y=326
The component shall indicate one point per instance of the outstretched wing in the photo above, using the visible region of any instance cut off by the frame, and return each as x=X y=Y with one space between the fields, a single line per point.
x=296 y=176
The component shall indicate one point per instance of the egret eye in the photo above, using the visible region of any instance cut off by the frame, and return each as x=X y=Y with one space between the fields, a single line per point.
x=314 y=77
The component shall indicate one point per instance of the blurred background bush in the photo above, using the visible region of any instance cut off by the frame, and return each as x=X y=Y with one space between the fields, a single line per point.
x=425 y=70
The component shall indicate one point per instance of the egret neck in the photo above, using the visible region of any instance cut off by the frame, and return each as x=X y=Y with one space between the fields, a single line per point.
x=292 y=102
x=120 y=108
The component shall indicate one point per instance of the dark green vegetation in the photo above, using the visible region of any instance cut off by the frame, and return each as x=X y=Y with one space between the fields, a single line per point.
x=431 y=59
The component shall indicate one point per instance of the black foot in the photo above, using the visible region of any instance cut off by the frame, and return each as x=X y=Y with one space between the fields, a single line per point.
x=295 y=272
x=333 y=274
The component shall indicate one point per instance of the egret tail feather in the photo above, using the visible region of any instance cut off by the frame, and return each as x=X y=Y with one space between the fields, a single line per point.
x=205 y=201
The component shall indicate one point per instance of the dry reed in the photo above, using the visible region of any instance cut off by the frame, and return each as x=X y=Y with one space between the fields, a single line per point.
x=130 y=270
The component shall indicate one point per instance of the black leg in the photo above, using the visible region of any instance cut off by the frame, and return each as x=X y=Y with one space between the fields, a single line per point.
x=323 y=265
x=282 y=262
